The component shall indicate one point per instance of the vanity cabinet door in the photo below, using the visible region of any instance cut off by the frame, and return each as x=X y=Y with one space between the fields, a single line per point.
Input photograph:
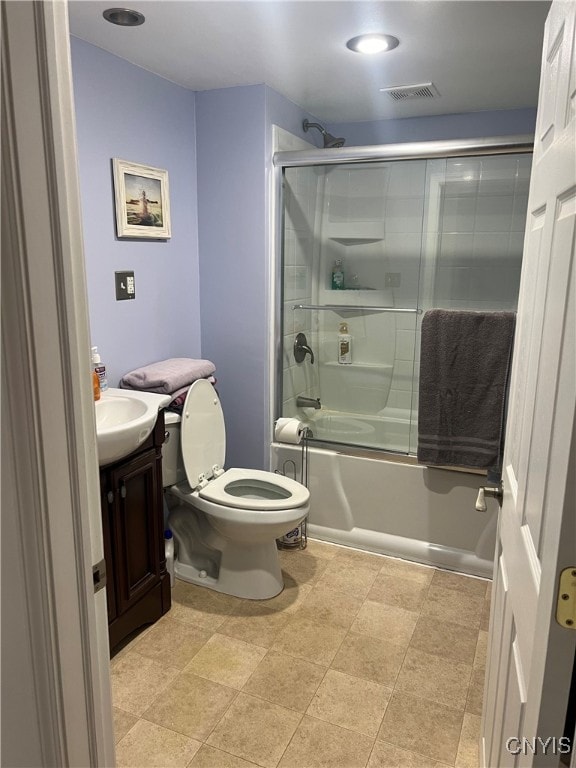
x=106 y=502
x=135 y=529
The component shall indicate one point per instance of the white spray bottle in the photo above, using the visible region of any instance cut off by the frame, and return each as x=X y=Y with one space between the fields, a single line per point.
x=344 y=345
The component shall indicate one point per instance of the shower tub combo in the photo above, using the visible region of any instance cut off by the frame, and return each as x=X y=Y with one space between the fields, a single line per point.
x=412 y=227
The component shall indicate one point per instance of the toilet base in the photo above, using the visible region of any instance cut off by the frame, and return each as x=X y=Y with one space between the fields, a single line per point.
x=251 y=572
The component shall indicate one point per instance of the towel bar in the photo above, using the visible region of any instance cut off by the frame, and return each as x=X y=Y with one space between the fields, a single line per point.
x=350 y=307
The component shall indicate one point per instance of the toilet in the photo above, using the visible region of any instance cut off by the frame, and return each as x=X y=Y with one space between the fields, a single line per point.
x=225 y=522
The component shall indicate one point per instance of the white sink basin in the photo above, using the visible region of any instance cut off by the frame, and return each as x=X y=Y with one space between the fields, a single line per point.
x=124 y=419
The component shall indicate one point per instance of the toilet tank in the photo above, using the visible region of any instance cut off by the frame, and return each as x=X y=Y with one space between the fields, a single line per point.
x=172 y=464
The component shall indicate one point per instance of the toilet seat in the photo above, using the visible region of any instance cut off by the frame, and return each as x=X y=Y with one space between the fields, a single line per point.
x=203 y=441
x=255 y=489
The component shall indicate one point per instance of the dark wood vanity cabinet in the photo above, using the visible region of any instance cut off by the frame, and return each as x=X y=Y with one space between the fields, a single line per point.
x=138 y=585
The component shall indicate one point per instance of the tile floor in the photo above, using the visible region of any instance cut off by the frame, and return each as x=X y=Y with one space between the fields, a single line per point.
x=362 y=660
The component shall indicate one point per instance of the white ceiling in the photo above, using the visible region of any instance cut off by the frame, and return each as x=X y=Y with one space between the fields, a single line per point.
x=479 y=55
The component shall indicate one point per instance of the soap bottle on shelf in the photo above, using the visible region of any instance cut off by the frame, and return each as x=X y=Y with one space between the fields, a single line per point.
x=344 y=345
x=338 y=276
x=100 y=369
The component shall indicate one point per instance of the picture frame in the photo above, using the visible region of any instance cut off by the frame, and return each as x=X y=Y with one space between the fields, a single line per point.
x=142 y=201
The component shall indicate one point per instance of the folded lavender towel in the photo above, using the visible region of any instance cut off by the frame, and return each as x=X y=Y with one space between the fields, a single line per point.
x=167 y=376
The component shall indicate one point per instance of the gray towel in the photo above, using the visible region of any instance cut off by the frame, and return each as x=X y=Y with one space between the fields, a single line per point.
x=167 y=376
x=464 y=369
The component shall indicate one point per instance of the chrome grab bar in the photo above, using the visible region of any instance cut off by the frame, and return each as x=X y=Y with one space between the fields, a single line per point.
x=350 y=307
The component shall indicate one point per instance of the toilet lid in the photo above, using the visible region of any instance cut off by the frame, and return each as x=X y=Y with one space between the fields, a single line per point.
x=202 y=433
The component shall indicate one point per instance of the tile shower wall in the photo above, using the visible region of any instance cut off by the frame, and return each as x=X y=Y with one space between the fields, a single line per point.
x=479 y=232
x=300 y=191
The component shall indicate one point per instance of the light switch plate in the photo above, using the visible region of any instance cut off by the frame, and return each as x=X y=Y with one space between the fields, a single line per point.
x=125 y=286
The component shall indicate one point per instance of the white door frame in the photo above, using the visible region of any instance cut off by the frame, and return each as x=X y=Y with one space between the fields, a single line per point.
x=56 y=704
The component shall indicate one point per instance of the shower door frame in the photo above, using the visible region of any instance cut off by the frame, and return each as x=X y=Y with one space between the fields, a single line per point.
x=421 y=150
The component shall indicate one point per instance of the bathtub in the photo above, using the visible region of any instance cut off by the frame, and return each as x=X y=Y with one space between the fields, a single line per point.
x=391 y=427
x=394 y=506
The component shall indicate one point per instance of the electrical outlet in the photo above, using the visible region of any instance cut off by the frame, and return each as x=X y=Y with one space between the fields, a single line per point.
x=125 y=286
x=392 y=279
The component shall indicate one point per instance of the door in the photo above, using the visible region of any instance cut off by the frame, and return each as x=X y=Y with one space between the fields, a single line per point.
x=56 y=704
x=530 y=655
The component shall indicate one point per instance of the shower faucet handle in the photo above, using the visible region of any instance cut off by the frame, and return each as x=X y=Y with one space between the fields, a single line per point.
x=301 y=349
x=488 y=490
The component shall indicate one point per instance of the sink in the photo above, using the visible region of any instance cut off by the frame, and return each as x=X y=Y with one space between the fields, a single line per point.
x=124 y=419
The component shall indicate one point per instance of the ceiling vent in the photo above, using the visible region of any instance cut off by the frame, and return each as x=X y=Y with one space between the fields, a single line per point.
x=404 y=92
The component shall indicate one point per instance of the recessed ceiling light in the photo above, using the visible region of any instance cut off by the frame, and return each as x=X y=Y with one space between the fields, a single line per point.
x=373 y=43
x=124 y=17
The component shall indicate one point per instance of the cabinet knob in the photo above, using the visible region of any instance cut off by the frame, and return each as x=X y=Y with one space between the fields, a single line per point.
x=110 y=497
x=123 y=491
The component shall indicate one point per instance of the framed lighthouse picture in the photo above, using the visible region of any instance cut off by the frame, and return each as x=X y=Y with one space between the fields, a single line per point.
x=142 y=201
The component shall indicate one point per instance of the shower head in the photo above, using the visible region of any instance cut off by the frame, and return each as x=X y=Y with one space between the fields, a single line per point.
x=330 y=141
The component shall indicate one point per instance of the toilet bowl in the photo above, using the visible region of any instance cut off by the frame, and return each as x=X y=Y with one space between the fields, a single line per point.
x=225 y=522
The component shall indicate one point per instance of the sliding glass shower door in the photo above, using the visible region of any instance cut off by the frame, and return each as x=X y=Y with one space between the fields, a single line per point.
x=367 y=248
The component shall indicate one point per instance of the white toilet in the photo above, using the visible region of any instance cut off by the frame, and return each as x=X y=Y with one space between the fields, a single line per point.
x=225 y=523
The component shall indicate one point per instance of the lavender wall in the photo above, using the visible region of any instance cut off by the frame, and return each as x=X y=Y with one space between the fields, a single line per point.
x=234 y=128
x=437 y=127
x=233 y=301
x=124 y=111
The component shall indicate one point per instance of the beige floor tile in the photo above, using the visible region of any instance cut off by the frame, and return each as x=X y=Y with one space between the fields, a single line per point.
x=346 y=576
x=476 y=691
x=399 y=591
x=349 y=702
x=172 y=642
x=285 y=680
x=443 y=638
x=469 y=747
x=317 y=744
x=191 y=705
x=137 y=681
x=322 y=549
x=290 y=599
x=481 y=649
x=422 y=726
x=148 y=745
x=468 y=584
x=454 y=606
x=330 y=606
x=359 y=557
x=395 y=625
x=310 y=640
x=485 y=617
x=255 y=623
x=388 y=756
x=210 y=757
x=303 y=567
x=202 y=607
x=255 y=730
x=393 y=566
x=432 y=677
x=123 y=721
x=226 y=660
x=370 y=658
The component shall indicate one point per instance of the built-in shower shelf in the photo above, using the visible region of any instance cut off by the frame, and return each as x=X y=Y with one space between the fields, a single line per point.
x=359 y=233
x=355 y=301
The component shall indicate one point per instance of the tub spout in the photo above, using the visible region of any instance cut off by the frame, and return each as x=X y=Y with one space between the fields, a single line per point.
x=308 y=402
